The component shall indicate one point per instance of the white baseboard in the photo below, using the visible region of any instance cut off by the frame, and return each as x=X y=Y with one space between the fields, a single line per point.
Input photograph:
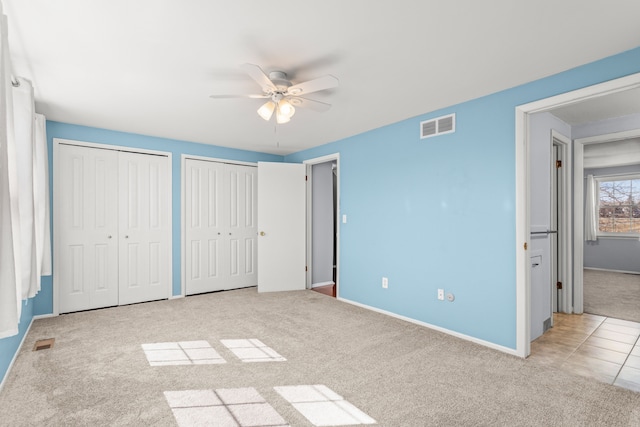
x=15 y=355
x=44 y=316
x=317 y=285
x=612 y=271
x=484 y=343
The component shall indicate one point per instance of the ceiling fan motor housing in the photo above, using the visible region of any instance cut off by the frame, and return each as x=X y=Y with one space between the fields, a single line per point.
x=279 y=79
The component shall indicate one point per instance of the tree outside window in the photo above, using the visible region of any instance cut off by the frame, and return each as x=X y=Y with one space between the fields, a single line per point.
x=619 y=208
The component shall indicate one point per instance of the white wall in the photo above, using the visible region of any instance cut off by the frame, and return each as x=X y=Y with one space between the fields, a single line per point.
x=603 y=127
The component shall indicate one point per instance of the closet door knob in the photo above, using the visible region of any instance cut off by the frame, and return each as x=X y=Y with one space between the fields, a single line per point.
x=262 y=233
x=126 y=237
x=109 y=236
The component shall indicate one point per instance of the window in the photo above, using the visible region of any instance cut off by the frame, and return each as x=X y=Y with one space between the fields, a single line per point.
x=619 y=205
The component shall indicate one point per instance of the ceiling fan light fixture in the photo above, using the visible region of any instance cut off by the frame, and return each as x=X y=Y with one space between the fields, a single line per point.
x=285 y=108
x=281 y=119
x=284 y=112
x=266 y=111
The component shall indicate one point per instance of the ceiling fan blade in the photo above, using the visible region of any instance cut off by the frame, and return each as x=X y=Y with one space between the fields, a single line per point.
x=238 y=96
x=298 y=101
x=315 y=85
x=259 y=76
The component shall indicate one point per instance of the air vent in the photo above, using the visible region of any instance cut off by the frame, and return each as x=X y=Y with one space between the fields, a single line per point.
x=438 y=126
x=44 y=344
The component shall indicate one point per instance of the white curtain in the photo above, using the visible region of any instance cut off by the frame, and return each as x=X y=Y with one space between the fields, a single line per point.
x=10 y=298
x=24 y=126
x=25 y=242
x=41 y=199
x=591 y=211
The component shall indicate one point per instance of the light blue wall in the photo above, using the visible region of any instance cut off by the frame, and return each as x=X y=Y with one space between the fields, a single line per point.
x=439 y=213
x=9 y=346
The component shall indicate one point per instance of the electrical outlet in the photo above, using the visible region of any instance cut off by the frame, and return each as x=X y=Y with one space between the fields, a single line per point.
x=441 y=294
x=385 y=283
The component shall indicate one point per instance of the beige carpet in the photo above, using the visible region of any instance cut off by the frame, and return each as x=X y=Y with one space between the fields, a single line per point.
x=612 y=294
x=398 y=373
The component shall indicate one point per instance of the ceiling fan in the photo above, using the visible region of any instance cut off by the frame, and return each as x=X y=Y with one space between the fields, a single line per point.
x=283 y=96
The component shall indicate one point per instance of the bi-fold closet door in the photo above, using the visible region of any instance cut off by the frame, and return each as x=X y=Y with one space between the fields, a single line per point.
x=112 y=213
x=220 y=226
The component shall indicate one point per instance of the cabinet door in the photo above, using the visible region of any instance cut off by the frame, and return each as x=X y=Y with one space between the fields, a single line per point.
x=205 y=234
x=87 y=217
x=145 y=229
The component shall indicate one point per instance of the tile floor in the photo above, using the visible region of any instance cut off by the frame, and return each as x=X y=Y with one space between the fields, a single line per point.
x=604 y=348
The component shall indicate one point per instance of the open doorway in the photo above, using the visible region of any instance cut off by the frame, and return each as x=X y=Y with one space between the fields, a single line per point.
x=574 y=288
x=323 y=225
x=550 y=191
x=607 y=182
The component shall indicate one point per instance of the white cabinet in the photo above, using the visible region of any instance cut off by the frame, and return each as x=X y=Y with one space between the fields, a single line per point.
x=112 y=213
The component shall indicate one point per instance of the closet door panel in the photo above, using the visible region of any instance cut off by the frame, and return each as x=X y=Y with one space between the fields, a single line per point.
x=144 y=237
x=86 y=215
x=241 y=194
x=204 y=231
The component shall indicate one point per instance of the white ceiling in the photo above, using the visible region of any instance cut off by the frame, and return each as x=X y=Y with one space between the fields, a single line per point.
x=617 y=104
x=149 y=66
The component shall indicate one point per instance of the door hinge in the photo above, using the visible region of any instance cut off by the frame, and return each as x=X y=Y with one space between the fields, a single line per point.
x=558 y=164
x=306 y=177
x=525 y=246
x=559 y=285
x=306 y=268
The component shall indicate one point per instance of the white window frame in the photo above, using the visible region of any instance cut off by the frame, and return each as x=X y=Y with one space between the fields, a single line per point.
x=611 y=178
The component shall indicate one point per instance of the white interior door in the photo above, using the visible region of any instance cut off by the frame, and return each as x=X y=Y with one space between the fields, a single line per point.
x=242 y=225
x=281 y=222
x=86 y=211
x=204 y=250
x=145 y=229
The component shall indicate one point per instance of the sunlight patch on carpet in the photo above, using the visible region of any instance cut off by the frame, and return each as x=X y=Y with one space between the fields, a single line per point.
x=252 y=350
x=233 y=407
x=181 y=353
x=322 y=406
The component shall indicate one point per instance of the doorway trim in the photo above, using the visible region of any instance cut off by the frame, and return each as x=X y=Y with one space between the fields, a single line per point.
x=309 y=163
x=563 y=258
x=523 y=222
